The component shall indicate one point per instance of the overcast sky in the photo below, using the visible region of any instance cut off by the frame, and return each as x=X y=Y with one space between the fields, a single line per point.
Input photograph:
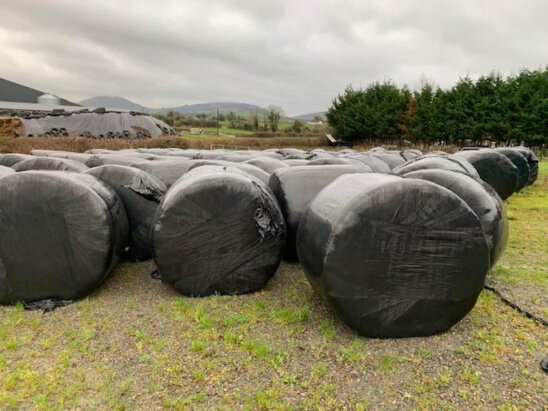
x=297 y=54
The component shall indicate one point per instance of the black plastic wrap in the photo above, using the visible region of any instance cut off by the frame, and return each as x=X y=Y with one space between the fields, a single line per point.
x=395 y=257
x=532 y=160
x=248 y=168
x=495 y=169
x=167 y=171
x=140 y=193
x=10 y=159
x=218 y=232
x=62 y=233
x=50 y=163
x=296 y=187
x=439 y=162
x=4 y=171
x=487 y=205
x=375 y=163
x=267 y=164
x=521 y=164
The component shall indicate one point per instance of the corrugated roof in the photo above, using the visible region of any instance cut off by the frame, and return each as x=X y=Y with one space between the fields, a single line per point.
x=10 y=105
x=14 y=92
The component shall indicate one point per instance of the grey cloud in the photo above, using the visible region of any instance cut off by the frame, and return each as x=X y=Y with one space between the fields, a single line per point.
x=298 y=54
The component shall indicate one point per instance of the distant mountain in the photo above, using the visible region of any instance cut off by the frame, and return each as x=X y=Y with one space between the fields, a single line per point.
x=112 y=102
x=310 y=116
x=123 y=103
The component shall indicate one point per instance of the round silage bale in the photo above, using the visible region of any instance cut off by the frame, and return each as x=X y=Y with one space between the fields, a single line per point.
x=80 y=157
x=438 y=162
x=50 y=163
x=267 y=164
x=521 y=164
x=486 y=203
x=375 y=163
x=393 y=160
x=98 y=160
x=140 y=193
x=395 y=257
x=532 y=160
x=167 y=171
x=62 y=233
x=331 y=161
x=296 y=162
x=495 y=169
x=295 y=187
x=248 y=168
x=4 y=171
x=10 y=159
x=218 y=232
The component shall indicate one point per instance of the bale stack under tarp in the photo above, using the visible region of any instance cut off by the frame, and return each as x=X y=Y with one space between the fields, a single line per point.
x=218 y=232
x=395 y=257
x=62 y=233
x=96 y=124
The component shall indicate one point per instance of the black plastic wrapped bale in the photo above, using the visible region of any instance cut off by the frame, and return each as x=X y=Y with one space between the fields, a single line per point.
x=532 y=160
x=50 y=163
x=167 y=171
x=248 y=168
x=4 y=171
x=80 y=157
x=140 y=193
x=521 y=164
x=218 y=232
x=393 y=160
x=10 y=159
x=295 y=162
x=395 y=257
x=495 y=169
x=267 y=164
x=375 y=163
x=331 y=161
x=438 y=162
x=98 y=160
x=486 y=203
x=62 y=233
x=296 y=187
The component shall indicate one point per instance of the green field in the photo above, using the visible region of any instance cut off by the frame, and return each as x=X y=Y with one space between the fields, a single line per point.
x=137 y=344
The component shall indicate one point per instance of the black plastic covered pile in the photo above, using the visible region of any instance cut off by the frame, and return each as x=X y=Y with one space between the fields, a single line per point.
x=218 y=232
x=395 y=257
x=62 y=233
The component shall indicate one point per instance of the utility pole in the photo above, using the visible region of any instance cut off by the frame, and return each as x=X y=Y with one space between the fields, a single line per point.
x=217 y=121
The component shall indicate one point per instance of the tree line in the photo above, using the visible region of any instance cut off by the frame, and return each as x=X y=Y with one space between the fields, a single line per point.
x=494 y=108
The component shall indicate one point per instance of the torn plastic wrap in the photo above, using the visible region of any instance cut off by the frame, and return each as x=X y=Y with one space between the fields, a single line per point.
x=437 y=161
x=10 y=159
x=296 y=187
x=218 y=232
x=167 y=171
x=495 y=169
x=395 y=257
x=140 y=193
x=532 y=160
x=50 y=163
x=521 y=164
x=62 y=233
x=248 y=168
x=267 y=164
x=4 y=171
x=485 y=202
